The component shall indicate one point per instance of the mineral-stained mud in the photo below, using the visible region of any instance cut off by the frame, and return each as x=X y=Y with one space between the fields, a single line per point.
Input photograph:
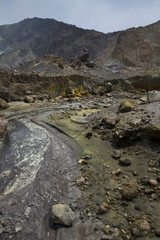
x=27 y=147
x=116 y=192
x=37 y=167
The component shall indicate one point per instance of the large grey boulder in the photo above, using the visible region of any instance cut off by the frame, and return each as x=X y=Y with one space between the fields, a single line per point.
x=62 y=214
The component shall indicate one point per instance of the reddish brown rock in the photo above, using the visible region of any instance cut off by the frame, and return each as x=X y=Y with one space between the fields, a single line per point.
x=109 y=123
x=83 y=55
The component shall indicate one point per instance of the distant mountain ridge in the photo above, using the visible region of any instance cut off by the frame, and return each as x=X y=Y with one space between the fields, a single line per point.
x=32 y=38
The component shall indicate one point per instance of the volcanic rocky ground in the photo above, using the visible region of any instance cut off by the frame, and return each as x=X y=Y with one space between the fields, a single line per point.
x=84 y=134
x=98 y=154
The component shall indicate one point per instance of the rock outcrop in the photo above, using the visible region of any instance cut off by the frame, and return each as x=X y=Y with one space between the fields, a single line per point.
x=62 y=214
x=31 y=38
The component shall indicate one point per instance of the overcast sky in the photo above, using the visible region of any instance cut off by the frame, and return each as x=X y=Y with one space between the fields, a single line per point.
x=102 y=15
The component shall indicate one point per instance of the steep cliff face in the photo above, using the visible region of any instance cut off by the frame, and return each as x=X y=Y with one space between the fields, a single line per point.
x=137 y=47
x=31 y=38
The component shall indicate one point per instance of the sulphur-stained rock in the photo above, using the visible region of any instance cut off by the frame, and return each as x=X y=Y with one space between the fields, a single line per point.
x=28 y=99
x=3 y=104
x=140 y=228
x=62 y=214
x=3 y=126
x=130 y=191
x=116 y=154
x=126 y=106
x=68 y=92
x=153 y=182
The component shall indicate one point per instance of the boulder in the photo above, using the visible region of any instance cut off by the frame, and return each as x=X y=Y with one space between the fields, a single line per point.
x=116 y=154
x=109 y=123
x=3 y=104
x=154 y=130
x=153 y=96
x=62 y=214
x=117 y=172
x=28 y=99
x=153 y=182
x=68 y=92
x=140 y=228
x=130 y=191
x=158 y=232
x=126 y=106
x=124 y=162
x=83 y=55
x=3 y=126
x=90 y=64
x=108 y=87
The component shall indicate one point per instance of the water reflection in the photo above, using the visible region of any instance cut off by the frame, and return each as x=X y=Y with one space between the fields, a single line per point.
x=21 y=151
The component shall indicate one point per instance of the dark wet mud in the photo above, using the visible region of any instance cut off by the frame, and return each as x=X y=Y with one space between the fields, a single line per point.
x=37 y=167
